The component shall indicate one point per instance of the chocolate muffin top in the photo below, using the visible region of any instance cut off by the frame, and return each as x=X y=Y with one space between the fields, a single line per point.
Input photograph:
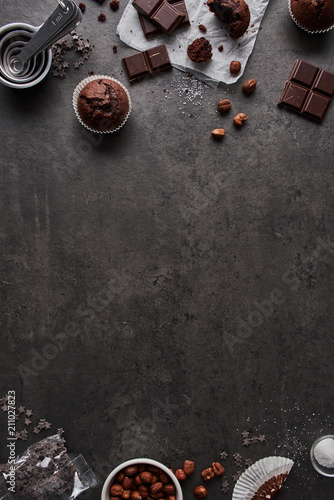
x=235 y=13
x=313 y=15
x=103 y=105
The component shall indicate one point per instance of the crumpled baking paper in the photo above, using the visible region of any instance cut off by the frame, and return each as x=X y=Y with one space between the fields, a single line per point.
x=212 y=72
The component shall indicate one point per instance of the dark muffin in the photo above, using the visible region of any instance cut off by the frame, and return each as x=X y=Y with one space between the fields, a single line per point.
x=313 y=15
x=103 y=105
x=235 y=13
x=200 y=50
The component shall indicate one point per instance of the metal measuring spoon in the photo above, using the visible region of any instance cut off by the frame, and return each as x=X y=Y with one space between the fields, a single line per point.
x=65 y=18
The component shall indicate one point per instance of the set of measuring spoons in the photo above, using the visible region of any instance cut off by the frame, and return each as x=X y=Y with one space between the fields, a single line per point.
x=25 y=53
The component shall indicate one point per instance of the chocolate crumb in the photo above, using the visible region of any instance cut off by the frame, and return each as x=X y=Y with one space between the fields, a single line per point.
x=102 y=17
x=221 y=48
x=114 y=49
x=202 y=28
x=114 y=5
x=82 y=7
x=90 y=72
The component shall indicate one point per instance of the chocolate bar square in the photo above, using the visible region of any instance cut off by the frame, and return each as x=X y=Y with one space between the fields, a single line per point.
x=136 y=66
x=308 y=91
x=147 y=7
x=158 y=58
x=167 y=18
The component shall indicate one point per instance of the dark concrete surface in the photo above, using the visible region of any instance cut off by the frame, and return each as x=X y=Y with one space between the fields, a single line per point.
x=193 y=278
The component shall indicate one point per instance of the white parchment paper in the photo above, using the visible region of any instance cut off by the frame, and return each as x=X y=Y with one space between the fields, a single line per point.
x=218 y=69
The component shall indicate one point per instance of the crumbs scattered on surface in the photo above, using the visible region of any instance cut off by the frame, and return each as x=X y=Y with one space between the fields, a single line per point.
x=114 y=5
x=114 y=49
x=82 y=7
x=202 y=28
x=102 y=17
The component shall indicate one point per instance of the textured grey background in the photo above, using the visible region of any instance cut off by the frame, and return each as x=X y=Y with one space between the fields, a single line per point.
x=152 y=249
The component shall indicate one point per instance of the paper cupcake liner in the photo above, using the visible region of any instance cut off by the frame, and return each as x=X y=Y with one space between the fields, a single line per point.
x=257 y=474
x=79 y=88
x=302 y=27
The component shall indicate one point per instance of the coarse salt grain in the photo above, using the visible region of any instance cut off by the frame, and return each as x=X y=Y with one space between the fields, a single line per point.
x=324 y=452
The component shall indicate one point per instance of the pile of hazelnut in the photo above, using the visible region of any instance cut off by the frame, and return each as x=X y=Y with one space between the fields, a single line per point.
x=207 y=474
x=142 y=481
x=225 y=105
x=148 y=482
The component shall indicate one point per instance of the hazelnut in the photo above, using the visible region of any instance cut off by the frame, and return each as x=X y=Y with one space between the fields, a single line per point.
x=144 y=490
x=207 y=474
x=218 y=469
x=138 y=480
x=249 y=86
x=163 y=477
x=154 y=469
x=200 y=492
x=126 y=494
x=120 y=476
x=170 y=497
x=239 y=119
x=235 y=67
x=188 y=467
x=224 y=105
x=156 y=487
x=135 y=495
x=116 y=490
x=146 y=476
x=127 y=483
x=169 y=489
x=131 y=470
x=157 y=495
x=218 y=133
x=180 y=475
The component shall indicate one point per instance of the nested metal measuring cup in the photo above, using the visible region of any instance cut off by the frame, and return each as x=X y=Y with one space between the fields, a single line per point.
x=25 y=53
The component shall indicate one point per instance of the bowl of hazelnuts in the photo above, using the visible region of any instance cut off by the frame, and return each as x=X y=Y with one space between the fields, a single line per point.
x=141 y=478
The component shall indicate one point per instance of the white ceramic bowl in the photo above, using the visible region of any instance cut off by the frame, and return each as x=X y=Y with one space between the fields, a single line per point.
x=325 y=471
x=136 y=461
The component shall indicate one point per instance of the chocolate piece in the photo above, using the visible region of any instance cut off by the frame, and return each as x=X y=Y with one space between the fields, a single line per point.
x=151 y=30
x=147 y=7
x=158 y=58
x=136 y=66
x=167 y=18
x=141 y=64
x=308 y=91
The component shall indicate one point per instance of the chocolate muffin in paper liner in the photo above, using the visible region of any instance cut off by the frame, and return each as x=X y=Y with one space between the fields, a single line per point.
x=43 y=472
x=101 y=103
x=262 y=480
x=313 y=16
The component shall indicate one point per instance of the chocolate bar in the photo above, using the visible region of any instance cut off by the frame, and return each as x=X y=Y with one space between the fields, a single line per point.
x=161 y=13
x=151 y=30
x=142 y=64
x=308 y=90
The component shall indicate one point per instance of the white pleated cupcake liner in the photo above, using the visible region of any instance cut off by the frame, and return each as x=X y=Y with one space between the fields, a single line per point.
x=79 y=88
x=257 y=474
x=302 y=27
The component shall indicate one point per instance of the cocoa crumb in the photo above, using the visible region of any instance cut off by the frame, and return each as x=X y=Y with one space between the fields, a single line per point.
x=114 y=49
x=82 y=7
x=114 y=5
x=102 y=17
x=202 y=28
x=91 y=72
x=221 y=48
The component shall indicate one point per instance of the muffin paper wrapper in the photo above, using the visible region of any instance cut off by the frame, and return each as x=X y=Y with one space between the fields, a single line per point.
x=302 y=27
x=257 y=474
x=79 y=88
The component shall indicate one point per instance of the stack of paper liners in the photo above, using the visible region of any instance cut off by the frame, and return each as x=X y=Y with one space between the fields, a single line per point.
x=263 y=479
